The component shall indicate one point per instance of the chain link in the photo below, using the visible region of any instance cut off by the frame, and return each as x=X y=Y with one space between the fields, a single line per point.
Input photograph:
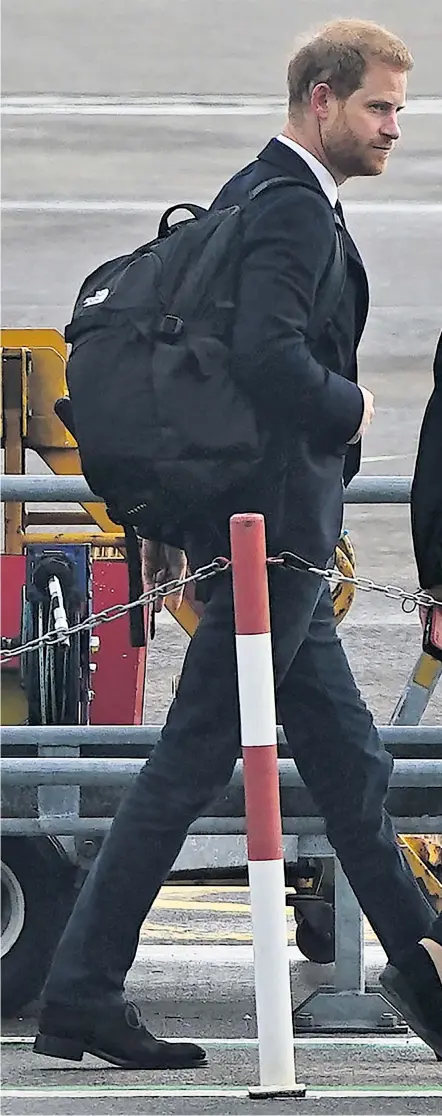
x=287 y=559
x=115 y=611
x=420 y=598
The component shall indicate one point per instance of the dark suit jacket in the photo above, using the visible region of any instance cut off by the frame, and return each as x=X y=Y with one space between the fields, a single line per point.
x=426 y=491
x=305 y=395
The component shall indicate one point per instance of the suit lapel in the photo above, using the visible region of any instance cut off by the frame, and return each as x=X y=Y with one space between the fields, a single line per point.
x=289 y=162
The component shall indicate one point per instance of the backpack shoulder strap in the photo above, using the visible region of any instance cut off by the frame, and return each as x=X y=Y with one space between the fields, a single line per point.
x=136 y=615
x=332 y=283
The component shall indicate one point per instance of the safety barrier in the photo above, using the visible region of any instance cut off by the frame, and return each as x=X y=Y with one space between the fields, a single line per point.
x=89 y=772
x=347 y=1006
x=363 y=490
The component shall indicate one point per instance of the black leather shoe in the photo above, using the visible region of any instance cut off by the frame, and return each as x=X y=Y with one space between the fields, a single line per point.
x=417 y=994
x=116 y=1034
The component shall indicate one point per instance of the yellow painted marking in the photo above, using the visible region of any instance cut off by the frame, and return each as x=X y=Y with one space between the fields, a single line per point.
x=199 y=936
x=220 y=908
x=426 y=671
x=198 y=905
x=203 y=889
x=197 y=899
x=191 y=934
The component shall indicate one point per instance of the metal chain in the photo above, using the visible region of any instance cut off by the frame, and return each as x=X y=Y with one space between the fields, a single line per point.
x=115 y=611
x=365 y=584
x=286 y=559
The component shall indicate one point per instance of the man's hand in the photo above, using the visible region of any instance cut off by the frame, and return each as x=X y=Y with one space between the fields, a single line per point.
x=367 y=416
x=160 y=564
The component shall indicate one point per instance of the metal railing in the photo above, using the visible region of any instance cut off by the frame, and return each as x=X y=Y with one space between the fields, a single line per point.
x=74 y=489
x=58 y=765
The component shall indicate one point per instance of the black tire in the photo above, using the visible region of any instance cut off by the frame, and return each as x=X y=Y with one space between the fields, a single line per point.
x=315 y=946
x=37 y=897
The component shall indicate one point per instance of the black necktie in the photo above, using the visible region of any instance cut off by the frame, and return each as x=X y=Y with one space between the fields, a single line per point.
x=339 y=210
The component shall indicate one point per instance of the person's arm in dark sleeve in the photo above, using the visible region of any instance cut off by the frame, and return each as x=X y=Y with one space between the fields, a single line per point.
x=426 y=494
x=287 y=247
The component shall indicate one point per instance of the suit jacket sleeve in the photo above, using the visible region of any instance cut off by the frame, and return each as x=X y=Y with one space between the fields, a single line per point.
x=286 y=250
x=426 y=489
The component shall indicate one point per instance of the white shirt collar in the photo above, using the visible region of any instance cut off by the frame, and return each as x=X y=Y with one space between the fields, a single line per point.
x=325 y=179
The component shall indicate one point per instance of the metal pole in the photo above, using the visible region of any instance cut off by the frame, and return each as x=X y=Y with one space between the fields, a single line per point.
x=349 y=936
x=277 y=1072
x=362 y=490
x=311 y=830
x=61 y=770
x=52 y=488
x=378 y=490
x=16 y=736
x=417 y=692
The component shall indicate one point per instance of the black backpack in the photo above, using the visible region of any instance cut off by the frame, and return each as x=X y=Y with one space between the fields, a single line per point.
x=162 y=428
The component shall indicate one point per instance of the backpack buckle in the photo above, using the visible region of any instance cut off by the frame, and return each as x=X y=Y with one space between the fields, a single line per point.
x=171 y=328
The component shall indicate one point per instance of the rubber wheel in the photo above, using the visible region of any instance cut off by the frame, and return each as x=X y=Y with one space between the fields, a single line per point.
x=37 y=895
x=314 y=945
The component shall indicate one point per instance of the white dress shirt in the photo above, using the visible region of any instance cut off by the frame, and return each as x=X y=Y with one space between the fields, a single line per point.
x=325 y=179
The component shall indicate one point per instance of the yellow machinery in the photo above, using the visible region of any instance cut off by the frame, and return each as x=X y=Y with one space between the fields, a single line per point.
x=33 y=363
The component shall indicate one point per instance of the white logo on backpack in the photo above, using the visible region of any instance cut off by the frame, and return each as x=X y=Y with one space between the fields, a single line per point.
x=99 y=296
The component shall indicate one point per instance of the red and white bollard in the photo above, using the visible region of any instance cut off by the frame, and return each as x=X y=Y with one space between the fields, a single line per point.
x=263 y=810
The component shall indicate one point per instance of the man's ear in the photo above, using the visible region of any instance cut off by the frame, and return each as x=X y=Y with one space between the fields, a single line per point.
x=321 y=100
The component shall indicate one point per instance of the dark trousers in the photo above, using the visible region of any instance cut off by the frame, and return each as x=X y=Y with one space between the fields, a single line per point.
x=338 y=752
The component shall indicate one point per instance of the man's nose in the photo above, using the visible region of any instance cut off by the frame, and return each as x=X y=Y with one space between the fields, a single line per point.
x=390 y=127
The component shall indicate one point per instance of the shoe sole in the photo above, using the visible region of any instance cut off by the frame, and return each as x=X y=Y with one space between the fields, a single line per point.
x=72 y=1051
x=400 y=1000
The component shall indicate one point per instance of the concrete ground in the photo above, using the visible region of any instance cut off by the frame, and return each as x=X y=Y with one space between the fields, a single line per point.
x=396 y=1076
x=191 y=989
x=112 y=112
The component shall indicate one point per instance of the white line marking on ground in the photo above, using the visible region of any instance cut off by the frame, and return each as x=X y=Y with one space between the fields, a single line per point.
x=183 y=1091
x=387 y=457
x=205 y=105
x=108 y=205
x=401 y=1042
x=225 y=955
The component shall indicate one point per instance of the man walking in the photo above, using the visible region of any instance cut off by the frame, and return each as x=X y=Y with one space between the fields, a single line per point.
x=346 y=89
